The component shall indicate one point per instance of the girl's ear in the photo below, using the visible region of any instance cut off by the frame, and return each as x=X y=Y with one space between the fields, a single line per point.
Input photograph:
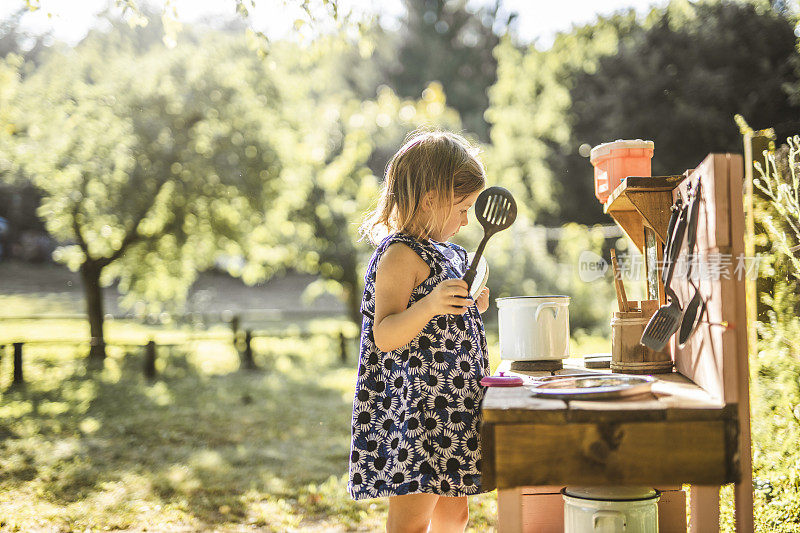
x=426 y=205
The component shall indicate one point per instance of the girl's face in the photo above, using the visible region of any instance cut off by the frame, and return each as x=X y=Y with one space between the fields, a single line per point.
x=457 y=218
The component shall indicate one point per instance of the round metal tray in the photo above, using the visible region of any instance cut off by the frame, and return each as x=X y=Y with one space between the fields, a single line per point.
x=596 y=387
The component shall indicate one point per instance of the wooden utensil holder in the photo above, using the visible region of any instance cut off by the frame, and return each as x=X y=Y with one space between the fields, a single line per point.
x=628 y=356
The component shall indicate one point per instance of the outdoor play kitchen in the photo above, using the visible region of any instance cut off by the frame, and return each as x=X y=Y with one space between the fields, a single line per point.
x=612 y=442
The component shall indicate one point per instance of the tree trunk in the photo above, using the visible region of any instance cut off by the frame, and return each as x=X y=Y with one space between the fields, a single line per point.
x=90 y=276
x=353 y=301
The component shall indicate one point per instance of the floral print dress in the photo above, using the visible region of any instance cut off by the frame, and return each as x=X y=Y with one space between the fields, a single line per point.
x=416 y=411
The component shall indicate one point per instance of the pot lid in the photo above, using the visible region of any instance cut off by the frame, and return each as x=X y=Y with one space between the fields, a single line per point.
x=501 y=380
x=604 y=149
x=615 y=494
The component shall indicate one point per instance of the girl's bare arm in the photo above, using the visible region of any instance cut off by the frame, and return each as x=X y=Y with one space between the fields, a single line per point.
x=400 y=270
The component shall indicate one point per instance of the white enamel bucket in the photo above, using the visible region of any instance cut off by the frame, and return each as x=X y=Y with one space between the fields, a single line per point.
x=534 y=328
x=610 y=509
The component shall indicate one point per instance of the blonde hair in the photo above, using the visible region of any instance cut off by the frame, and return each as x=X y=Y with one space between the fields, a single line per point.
x=440 y=162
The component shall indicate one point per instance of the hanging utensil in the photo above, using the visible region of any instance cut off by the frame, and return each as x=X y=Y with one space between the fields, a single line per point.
x=622 y=299
x=676 y=211
x=666 y=320
x=691 y=314
x=675 y=245
x=691 y=318
x=496 y=210
x=692 y=217
x=662 y=324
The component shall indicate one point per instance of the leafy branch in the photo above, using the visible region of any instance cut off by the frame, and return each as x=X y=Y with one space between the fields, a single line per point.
x=782 y=188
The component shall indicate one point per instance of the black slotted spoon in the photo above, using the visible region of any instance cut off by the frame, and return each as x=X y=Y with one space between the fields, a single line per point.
x=676 y=211
x=692 y=312
x=496 y=210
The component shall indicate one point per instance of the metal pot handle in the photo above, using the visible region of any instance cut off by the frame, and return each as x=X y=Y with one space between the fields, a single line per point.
x=547 y=305
x=608 y=521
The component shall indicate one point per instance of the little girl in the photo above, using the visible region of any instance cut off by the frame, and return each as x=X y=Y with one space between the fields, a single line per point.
x=416 y=411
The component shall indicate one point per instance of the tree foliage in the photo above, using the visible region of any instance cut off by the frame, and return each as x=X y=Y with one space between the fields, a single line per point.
x=448 y=43
x=157 y=162
x=530 y=113
x=347 y=142
x=681 y=79
x=151 y=164
x=15 y=40
x=677 y=77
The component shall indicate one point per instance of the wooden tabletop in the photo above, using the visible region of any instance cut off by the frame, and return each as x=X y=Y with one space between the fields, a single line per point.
x=673 y=397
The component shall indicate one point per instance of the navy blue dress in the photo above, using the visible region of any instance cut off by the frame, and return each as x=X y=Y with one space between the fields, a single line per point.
x=416 y=412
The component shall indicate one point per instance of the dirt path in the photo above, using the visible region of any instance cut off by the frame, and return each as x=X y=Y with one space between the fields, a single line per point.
x=212 y=292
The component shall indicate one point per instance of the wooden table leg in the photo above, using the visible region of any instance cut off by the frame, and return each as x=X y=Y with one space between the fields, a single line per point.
x=509 y=510
x=704 y=508
x=743 y=493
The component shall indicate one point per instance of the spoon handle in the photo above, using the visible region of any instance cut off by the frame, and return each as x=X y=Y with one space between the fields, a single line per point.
x=622 y=300
x=469 y=275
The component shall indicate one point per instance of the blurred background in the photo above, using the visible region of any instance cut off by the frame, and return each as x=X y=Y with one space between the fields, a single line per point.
x=180 y=188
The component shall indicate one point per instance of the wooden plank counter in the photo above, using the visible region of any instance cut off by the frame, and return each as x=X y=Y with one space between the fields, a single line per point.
x=676 y=434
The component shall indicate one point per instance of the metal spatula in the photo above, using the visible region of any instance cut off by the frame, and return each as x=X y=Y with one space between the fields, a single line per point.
x=496 y=210
x=663 y=324
x=665 y=321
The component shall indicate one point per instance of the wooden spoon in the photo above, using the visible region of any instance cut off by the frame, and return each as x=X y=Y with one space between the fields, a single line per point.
x=622 y=299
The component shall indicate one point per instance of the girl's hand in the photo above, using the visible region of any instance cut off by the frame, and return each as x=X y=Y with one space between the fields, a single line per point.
x=483 y=300
x=448 y=298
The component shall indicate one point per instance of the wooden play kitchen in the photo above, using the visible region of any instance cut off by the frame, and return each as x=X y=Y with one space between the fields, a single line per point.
x=692 y=427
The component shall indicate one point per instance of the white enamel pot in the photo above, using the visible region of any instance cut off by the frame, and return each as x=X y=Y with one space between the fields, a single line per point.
x=610 y=509
x=533 y=328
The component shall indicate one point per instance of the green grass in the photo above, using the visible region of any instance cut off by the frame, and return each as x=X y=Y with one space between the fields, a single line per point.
x=200 y=448
x=204 y=447
x=209 y=447
x=775 y=393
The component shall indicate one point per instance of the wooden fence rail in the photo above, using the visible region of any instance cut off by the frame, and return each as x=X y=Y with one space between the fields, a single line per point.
x=219 y=317
x=242 y=342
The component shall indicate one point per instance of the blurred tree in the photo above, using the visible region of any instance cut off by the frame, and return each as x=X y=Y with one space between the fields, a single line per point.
x=18 y=198
x=363 y=63
x=446 y=42
x=151 y=166
x=313 y=18
x=784 y=7
x=14 y=40
x=679 y=81
x=677 y=78
x=529 y=113
x=344 y=143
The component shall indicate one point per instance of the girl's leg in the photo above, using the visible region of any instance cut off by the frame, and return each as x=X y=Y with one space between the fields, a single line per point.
x=410 y=513
x=450 y=515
